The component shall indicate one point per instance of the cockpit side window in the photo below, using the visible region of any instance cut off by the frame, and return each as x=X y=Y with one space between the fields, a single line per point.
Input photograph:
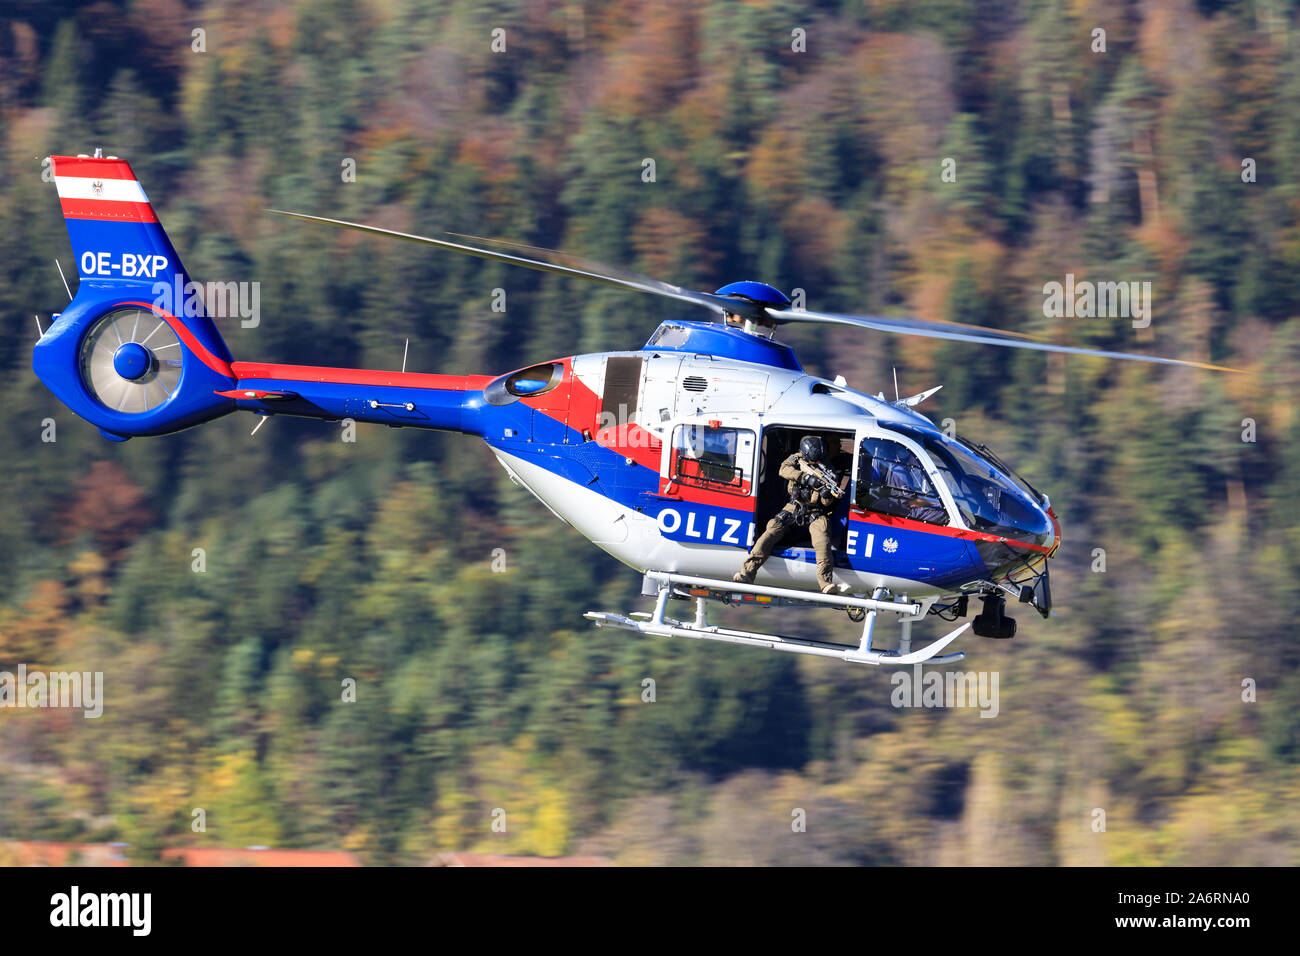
x=892 y=480
x=669 y=337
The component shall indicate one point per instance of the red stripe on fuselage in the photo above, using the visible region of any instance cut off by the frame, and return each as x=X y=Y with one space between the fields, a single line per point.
x=358 y=376
x=694 y=495
x=908 y=524
x=1056 y=532
x=633 y=441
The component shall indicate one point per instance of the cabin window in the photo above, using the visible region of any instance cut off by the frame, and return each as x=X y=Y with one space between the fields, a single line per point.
x=708 y=456
x=892 y=481
x=537 y=380
x=526 y=383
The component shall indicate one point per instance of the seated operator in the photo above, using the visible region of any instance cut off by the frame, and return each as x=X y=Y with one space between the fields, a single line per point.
x=907 y=491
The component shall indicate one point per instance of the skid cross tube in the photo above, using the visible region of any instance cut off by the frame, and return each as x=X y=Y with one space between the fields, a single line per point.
x=663 y=584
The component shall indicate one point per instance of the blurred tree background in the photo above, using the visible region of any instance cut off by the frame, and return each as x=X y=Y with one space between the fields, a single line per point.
x=821 y=170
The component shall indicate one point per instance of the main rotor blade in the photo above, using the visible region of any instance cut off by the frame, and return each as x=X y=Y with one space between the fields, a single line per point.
x=715 y=303
x=557 y=257
x=974 y=334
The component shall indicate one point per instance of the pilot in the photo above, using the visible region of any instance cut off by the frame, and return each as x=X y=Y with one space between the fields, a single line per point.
x=761 y=325
x=908 y=490
x=807 y=505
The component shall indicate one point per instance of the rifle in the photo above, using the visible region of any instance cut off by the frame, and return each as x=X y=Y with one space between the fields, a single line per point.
x=823 y=478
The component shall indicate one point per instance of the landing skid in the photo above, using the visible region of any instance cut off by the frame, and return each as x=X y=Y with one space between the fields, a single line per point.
x=665 y=585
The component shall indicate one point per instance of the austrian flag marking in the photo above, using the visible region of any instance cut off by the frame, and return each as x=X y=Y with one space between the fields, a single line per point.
x=100 y=189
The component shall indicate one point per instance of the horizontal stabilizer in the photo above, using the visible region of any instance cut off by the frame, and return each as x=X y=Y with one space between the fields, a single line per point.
x=258 y=394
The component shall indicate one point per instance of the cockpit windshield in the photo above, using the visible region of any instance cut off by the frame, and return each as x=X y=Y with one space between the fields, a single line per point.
x=983 y=451
x=988 y=498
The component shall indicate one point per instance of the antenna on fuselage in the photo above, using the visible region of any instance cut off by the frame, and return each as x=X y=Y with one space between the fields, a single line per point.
x=406 y=348
x=64 y=278
x=895 y=383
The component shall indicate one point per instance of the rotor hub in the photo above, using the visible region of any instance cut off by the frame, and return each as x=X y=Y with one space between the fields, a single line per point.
x=132 y=360
x=757 y=292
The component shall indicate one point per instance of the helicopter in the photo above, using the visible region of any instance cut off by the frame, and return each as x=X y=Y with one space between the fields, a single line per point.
x=664 y=456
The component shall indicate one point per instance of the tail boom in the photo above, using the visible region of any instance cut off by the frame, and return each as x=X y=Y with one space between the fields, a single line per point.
x=411 y=399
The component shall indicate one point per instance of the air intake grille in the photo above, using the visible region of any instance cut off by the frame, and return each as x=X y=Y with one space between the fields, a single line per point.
x=694 y=383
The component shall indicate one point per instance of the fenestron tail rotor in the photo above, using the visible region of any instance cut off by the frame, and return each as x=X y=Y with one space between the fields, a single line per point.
x=131 y=360
x=735 y=300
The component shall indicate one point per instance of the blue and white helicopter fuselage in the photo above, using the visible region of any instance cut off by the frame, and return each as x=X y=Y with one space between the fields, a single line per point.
x=666 y=457
x=678 y=472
